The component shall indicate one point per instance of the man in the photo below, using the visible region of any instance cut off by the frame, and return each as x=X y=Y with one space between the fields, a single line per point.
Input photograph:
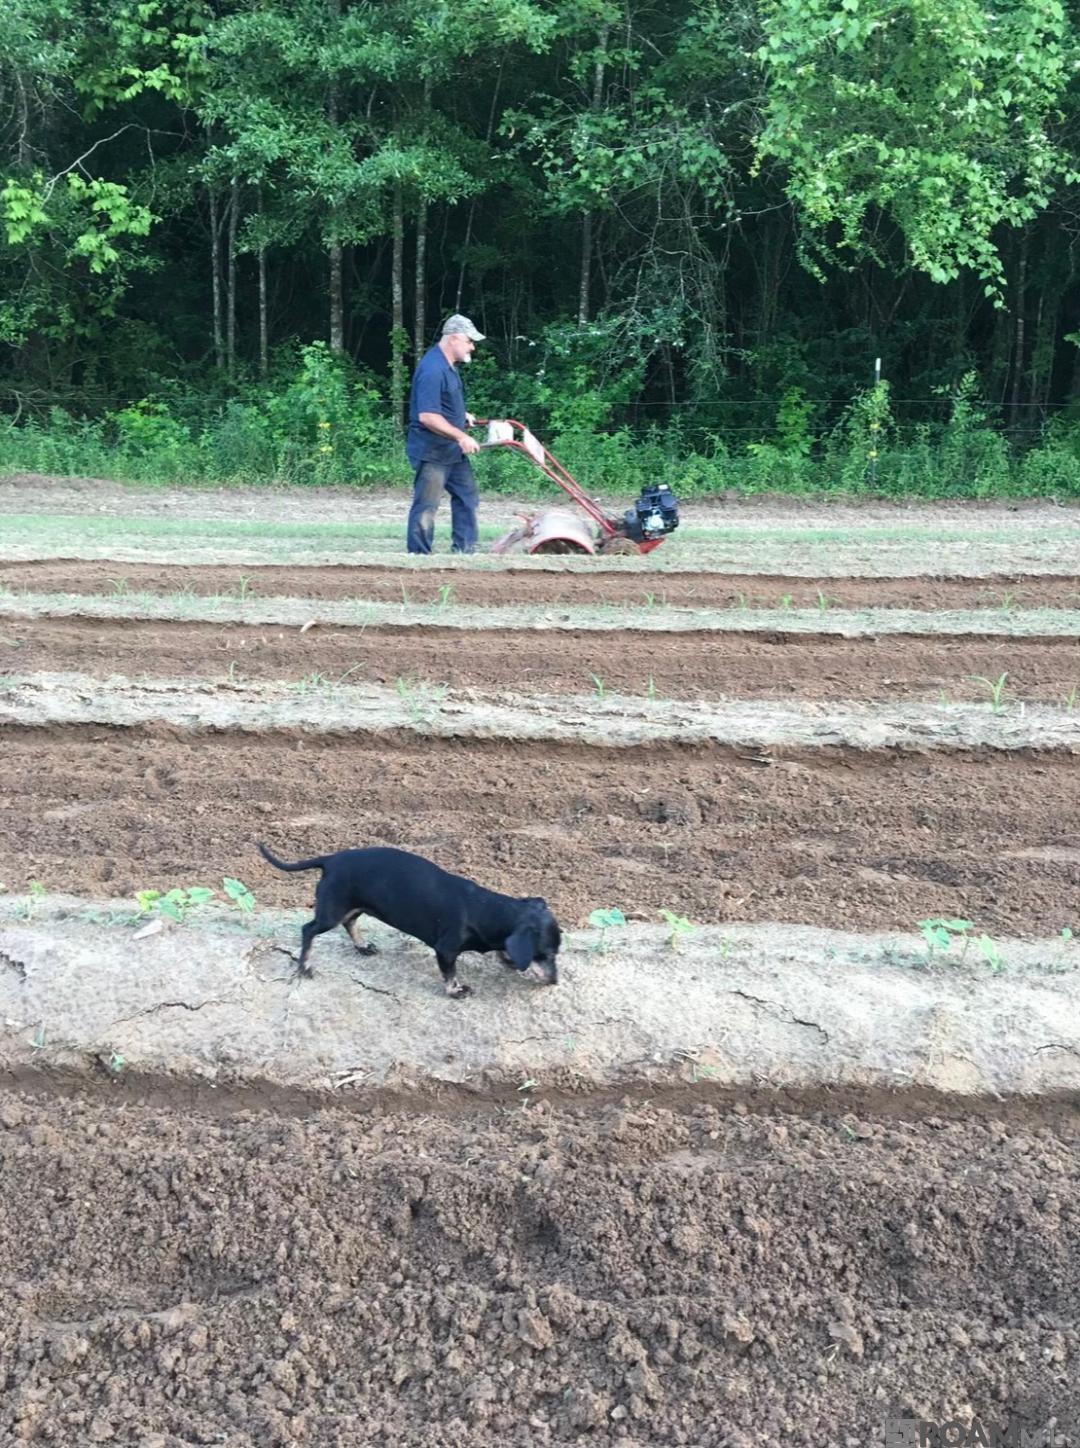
x=437 y=444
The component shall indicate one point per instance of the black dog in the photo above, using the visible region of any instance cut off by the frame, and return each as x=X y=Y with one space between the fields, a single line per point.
x=447 y=912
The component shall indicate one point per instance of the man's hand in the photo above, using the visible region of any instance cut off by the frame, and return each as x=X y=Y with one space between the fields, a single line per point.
x=470 y=419
x=435 y=422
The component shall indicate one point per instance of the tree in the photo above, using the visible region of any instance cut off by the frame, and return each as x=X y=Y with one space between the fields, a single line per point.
x=939 y=116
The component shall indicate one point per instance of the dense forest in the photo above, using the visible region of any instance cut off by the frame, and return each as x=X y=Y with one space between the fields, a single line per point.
x=688 y=229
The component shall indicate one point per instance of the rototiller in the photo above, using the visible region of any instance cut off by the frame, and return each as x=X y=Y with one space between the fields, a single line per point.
x=557 y=530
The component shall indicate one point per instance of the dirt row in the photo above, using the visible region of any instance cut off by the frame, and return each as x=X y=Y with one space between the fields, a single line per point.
x=177 y=1277
x=430 y=584
x=679 y=666
x=830 y=837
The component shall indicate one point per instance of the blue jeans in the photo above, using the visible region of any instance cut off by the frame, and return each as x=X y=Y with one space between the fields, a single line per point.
x=459 y=482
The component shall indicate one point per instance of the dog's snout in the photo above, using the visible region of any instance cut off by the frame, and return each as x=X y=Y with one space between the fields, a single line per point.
x=545 y=971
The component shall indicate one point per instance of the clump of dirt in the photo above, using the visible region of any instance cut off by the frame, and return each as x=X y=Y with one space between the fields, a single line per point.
x=620 y=1274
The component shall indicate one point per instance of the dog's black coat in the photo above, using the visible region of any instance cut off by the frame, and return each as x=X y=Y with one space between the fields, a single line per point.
x=447 y=912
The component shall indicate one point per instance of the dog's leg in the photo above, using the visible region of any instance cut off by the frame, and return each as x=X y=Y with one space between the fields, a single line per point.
x=307 y=938
x=365 y=948
x=451 y=984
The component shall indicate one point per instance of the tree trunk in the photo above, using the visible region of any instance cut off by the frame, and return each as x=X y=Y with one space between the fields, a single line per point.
x=398 y=337
x=334 y=247
x=586 y=253
x=264 y=347
x=215 y=272
x=586 y=216
x=472 y=203
x=337 y=301
x=420 y=303
x=1018 y=339
x=230 y=321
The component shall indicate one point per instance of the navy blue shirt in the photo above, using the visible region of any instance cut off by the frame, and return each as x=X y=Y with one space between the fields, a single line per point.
x=436 y=387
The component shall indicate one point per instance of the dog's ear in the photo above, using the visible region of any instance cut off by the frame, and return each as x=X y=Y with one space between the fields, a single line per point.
x=521 y=946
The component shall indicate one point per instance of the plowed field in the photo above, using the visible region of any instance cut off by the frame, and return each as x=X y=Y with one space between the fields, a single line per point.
x=714 y=1268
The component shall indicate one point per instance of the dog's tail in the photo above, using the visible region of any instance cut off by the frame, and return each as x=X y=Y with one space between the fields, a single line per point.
x=314 y=864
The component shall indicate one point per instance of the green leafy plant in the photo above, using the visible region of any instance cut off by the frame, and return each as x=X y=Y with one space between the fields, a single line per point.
x=239 y=894
x=173 y=904
x=679 y=927
x=422 y=697
x=35 y=893
x=939 y=933
x=996 y=688
x=598 y=686
x=605 y=920
x=991 y=951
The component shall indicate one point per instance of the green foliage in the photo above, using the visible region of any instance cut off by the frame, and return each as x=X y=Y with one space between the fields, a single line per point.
x=174 y=903
x=605 y=920
x=239 y=894
x=678 y=927
x=941 y=116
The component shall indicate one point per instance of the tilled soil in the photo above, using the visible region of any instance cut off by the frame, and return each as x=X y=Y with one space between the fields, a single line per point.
x=624 y=1273
x=827 y=836
x=704 y=665
x=429 y=585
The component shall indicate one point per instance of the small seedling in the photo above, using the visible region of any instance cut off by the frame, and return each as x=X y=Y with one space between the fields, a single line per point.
x=787 y=600
x=996 y=688
x=605 y=920
x=740 y=600
x=234 y=677
x=116 y=1062
x=405 y=595
x=1008 y=601
x=35 y=893
x=420 y=696
x=1070 y=698
x=598 y=685
x=446 y=595
x=239 y=894
x=174 y=903
x=650 y=690
x=679 y=927
x=38 y=1038
x=312 y=682
x=939 y=933
x=245 y=590
x=990 y=949
x=119 y=587
x=824 y=602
